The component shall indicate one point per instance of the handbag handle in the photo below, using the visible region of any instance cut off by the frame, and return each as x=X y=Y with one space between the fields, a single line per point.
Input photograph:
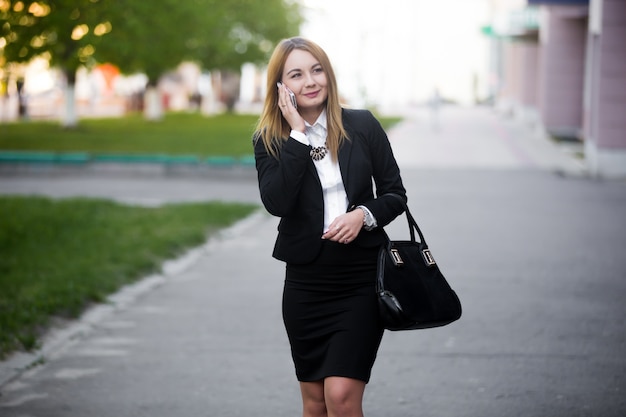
x=410 y=220
x=425 y=252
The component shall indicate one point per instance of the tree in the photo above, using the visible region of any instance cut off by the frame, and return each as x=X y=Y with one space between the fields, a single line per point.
x=143 y=36
x=63 y=31
x=216 y=34
x=244 y=31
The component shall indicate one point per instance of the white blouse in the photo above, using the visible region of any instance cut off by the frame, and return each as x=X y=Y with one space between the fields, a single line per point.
x=335 y=197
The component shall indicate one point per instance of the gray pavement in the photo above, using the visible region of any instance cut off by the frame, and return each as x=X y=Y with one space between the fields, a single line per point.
x=534 y=248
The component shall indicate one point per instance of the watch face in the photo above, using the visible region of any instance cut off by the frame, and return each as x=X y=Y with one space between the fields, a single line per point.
x=367 y=218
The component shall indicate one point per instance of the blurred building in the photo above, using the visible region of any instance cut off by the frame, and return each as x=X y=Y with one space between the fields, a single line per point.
x=561 y=65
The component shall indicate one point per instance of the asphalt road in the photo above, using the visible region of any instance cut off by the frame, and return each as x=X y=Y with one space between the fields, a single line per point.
x=534 y=248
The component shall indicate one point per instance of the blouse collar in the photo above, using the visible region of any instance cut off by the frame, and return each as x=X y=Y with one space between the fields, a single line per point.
x=321 y=121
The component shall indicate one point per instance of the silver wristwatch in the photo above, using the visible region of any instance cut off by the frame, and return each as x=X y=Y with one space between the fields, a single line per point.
x=369 y=222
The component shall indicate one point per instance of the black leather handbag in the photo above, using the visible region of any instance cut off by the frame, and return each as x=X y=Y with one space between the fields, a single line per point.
x=412 y=291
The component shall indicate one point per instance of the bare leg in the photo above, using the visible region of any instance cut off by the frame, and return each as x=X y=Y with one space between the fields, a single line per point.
x=313 y=404
x=344 y=396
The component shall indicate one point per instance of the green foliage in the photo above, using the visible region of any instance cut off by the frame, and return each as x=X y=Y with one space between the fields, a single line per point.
x=57 y=256
x=248 y=30
x=144 y=36
x=62 y=30
x=148 y=37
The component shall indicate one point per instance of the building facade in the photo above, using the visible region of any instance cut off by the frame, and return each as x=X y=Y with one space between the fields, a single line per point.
x=562 y=67
x=604 y=105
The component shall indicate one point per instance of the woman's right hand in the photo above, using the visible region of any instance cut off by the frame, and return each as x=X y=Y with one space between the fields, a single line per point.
x=290 y=113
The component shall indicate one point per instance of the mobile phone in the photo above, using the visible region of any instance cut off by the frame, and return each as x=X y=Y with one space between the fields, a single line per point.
x=292 y=96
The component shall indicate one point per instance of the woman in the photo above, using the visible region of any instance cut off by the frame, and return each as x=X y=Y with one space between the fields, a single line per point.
x=315 y=163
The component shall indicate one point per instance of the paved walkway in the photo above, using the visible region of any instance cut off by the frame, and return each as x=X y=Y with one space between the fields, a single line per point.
x=533 y=247
x=477 y=138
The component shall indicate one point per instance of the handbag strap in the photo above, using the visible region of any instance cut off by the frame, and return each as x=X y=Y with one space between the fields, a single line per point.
x=410 y=220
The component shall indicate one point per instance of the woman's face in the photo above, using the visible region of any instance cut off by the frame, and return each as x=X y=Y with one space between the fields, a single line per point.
x=304 y=75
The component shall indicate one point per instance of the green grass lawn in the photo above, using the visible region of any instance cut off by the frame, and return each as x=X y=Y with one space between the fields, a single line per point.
x=176 y=134
x=58 y=256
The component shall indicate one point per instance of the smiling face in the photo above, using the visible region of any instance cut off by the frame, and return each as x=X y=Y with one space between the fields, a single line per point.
x=303 y=74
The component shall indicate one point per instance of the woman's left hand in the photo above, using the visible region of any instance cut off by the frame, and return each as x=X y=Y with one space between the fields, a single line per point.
x=346 y=227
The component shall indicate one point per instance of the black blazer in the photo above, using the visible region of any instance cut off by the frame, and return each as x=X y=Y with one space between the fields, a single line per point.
x=290 y=187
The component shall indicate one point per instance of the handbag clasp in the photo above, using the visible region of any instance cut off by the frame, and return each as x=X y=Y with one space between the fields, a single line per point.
x=397 y=259
x=428 y=257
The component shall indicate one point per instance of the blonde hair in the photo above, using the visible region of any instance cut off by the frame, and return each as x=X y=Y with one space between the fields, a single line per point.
x=272 y=127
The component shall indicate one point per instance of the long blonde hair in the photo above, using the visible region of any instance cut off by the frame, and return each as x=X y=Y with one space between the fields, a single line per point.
x=272 y=127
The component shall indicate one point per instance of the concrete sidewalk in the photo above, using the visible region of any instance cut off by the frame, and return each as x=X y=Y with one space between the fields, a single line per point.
x=478 y=138
x=537 y=260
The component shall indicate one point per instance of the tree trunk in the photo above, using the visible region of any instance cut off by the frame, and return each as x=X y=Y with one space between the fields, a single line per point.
x=70 y=118
x=22 y=110
x=153 y=108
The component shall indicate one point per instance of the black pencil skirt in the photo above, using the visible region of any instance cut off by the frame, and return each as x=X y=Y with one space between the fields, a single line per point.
x=330 y=313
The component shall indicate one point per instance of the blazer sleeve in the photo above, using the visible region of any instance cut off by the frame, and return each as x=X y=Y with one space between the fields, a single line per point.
x=280 y=179
x=385 y=173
